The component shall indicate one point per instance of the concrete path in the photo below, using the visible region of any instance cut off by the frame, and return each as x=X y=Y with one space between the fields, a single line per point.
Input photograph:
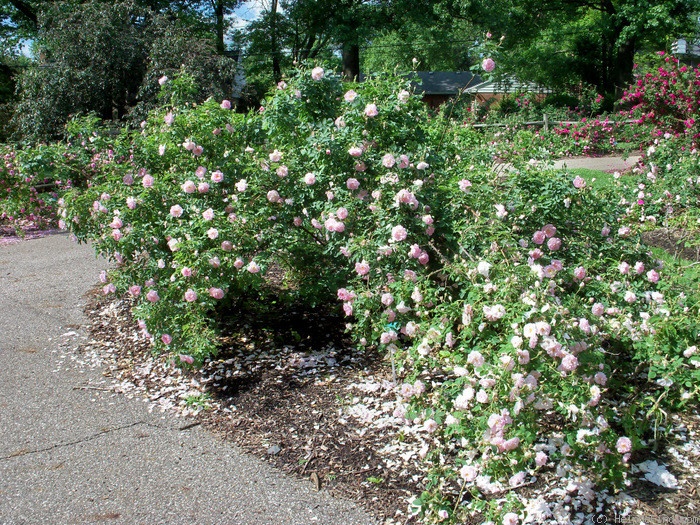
x=72 y=456
x=607 y=164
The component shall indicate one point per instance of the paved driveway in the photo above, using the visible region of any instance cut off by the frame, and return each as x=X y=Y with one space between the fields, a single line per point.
x=74 y=455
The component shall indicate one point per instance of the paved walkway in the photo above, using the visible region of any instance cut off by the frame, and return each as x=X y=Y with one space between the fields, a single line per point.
x=607 y=164
x=74 y=456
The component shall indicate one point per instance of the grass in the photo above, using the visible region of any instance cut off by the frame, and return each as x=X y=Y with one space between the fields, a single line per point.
x=594 y=178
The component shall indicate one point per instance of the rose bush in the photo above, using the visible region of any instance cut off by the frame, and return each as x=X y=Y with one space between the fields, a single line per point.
x=524 y=318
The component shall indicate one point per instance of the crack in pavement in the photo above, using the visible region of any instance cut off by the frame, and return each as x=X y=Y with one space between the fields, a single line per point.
x=103 y=432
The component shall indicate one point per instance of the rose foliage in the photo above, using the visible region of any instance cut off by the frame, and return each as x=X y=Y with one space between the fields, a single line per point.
x=528 y=325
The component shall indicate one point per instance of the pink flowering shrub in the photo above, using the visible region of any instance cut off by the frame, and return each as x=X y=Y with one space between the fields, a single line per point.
x=500 y=296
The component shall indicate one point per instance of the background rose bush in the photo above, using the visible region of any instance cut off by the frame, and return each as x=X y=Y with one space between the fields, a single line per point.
x=504 y=300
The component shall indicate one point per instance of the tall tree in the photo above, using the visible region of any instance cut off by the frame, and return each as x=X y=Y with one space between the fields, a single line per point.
x=596 y=41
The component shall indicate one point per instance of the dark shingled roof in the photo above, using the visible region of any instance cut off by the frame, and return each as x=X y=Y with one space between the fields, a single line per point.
x=445 y=82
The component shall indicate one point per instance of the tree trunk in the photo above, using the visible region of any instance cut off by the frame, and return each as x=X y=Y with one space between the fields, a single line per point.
x=624 y=67
x=276 y=67
x=219 y=14
x=351 y=62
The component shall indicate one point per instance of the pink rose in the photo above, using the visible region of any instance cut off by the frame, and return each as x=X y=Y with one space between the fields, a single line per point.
x=167 y=339
x=579 y=182
x=152 y=296
x=203 y=187
x=135 y=290
x=176 y=211
x=350 y=96
x=186 y=359
x=208 y=214
x=317 y=73
x=226 y=104
x=371 y=110
x=398 y=233
x=189 y=187
x=388 y=160
x=216 y=293
x=624 y=445
x=488 y=65
x=310 y=179
x=147 y=181
x=362 y=268
x=217 y=176
x=353 y=184
x=190 y=295
x=554 y=243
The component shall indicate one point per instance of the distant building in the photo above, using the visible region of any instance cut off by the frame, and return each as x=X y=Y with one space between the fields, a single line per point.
x=438 y=87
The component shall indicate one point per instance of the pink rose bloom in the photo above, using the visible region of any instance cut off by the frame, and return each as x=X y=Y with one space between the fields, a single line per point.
x=350 y=96
x=630 y=297
x=362 y=268
x=161 y=150
x=510 y=518
x=176 y=211
x=410 y=275
x=238 y=263
x=388 y=160
x=653 y=276
x=282 y=171
x=200 y=172
x=130 y=203
x=579 y=182
x=549 y=230
x=276 y=156
x=216 y=131
x=242 y=185
x=538 y=237
x=342 y=213
x=347 y=309
x=152 y=296
x=135 y=290
x=117 y=235
x=217 y=176
x=110 y=288
x=371 y=110
x=162 y=80
x=215 y=262
x=197 y=151
x=273 y=196
x=317 y=73
x=579 y=273
x=624 y=231
x=404 y=162
x=128 y=179
x=186 y=272
x=226 y=104
x=554 y=243
x=424 y=258
x=605 y=231
x=488 y=65
x=468 y=473
x=310 y=179
x=475 y=358
x=190 y=295
x=186 y=359
x=203 y=187
x=353 y=184
x=212 y=233
x=398 y=233
x=387 y=299
x=464 y=185
x=569 y=363
x=167 y=339
x=189 y=187
x=430 y=425
x=208 y=214
x=639 y=267
x=188 y=145
x=541 y=459
x=116 y=223
x=227 y=246
x=598 y=309
x=403 y=96
x=253 y=267
x=147 y=181
x=355 y=151
x=360 y=166
x=298 y=221
x=624 y=445
x=624 y=268
x=216 y=293
x=422 y=166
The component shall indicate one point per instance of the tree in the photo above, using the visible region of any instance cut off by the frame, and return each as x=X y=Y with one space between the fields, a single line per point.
x=593 y=41
x=106 y=59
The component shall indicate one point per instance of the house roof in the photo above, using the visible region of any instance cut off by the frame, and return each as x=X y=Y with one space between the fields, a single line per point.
x=445 y=82
x=509 y=85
